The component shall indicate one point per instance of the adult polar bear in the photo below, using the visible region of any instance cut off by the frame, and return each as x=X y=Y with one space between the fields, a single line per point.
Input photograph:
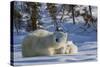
x=42 y=42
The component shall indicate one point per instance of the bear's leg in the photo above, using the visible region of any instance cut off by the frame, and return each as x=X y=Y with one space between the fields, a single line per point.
x=74 y=50
x=68 y=49
x=50 y=52
x=71 y=49
x=61 y=50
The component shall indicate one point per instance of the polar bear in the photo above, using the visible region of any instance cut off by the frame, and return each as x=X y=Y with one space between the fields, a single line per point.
x=42 y=42
x=69 y=49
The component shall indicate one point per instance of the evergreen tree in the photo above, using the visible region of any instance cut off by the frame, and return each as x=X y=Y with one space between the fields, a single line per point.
x=16 y=18
x=53 y=12
x=35 y=13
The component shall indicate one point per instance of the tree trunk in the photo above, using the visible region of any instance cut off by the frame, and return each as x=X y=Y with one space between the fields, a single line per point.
x=90 y=10
x=62 y=13
x=73 y=15
x=34 y=16
x=34 y=24
x=53 y=10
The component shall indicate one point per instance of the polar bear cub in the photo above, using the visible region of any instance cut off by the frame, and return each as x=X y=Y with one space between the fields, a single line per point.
x=42 y=42
x=71 y=48
x=68 y=48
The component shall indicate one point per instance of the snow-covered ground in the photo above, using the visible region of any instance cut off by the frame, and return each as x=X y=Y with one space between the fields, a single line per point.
x=85 y=40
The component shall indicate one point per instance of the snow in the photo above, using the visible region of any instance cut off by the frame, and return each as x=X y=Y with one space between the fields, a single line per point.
x=86 y=42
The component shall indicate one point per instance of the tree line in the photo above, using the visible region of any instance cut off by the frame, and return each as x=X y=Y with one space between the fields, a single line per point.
x=34 y=9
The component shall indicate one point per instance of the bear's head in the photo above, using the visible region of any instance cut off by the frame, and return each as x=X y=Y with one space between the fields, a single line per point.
x=60 y=38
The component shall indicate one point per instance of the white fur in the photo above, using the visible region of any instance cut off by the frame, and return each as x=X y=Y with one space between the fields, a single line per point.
x=41 y=42
x=71 y=48
x=68 y=48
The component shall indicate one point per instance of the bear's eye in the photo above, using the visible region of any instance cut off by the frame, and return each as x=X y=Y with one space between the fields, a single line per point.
x=57 y=40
